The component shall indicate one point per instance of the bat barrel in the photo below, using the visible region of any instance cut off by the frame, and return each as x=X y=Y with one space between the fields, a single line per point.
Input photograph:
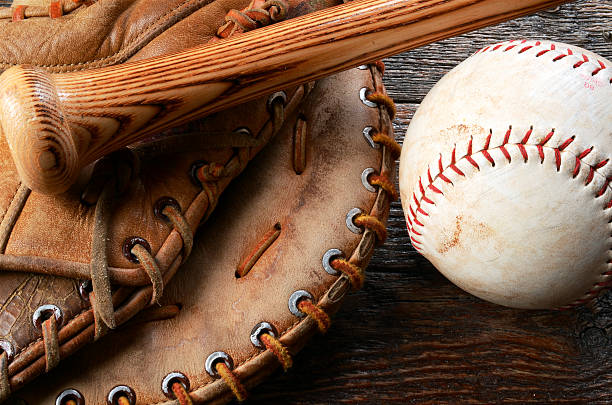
x=35 y=127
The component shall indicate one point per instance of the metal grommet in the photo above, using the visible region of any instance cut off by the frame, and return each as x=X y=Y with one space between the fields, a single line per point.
x=170 y=379
x=275 y=97
x=327 y=257
x=70 y=394
x=85 y=288
x=243 y=131
x=213 y=359
x=44 y=312
x=162 y=203
x=362 y=95
x=364 y=179
x=367 y=134
x=350 y=218
x=362 y=67
x=295 y=299
x=130 y=243
x=193 y=172
x=119 y=391
x=7 y=347
x=262 y=327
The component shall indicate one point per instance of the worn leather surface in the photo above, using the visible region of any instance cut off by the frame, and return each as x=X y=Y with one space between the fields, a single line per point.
x=54 y=234
x=108 y=32
x=219 y=310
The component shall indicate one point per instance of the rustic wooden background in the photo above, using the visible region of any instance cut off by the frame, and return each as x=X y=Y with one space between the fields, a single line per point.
x=410 y=336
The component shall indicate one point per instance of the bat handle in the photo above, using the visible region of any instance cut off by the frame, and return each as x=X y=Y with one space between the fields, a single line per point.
x=43 y=147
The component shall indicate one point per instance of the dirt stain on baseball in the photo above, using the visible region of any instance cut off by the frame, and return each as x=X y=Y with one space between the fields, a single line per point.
x=461 y=132
x=467 y=228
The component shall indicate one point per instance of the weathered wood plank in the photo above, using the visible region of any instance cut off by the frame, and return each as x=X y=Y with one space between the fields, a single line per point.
x=412 y=337
x=409 y=76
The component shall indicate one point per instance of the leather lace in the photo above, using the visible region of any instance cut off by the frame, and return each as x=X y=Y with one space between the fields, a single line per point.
x=252 y=17
x=5 y=387
x=122 y=166
x=55 y=9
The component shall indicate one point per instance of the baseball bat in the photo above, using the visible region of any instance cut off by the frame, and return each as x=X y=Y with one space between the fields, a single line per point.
x=55 y=124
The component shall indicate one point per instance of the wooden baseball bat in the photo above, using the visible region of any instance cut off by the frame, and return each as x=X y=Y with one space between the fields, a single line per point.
x=56 y=124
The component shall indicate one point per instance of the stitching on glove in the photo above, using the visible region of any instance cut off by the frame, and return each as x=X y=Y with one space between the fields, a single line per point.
x=232 y=381
x=299 y=145
x=389 y=143
x=252 y=17
x=12 y=214
x=5 y=386
x=180 y=224
x=316 y=313
x=383 y=100
x=383 y=181
x=56 y=9
x=122 y=400
x=374 y=224
x=181 y=394
x=278 y=349
x=266 y=241
x=51 y=342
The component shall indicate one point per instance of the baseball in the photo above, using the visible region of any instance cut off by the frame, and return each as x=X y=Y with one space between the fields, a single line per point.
x=505 y=175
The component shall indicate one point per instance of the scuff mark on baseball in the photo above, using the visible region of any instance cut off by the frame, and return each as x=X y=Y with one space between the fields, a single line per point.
x=505 y=175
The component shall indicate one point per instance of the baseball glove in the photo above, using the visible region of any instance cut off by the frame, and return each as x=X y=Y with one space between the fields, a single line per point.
x=74 y=265
x=289 y=239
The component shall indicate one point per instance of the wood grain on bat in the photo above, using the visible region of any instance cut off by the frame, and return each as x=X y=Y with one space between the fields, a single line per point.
x=101 y=110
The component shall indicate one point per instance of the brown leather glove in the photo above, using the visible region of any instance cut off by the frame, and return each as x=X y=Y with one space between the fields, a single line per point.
x=289 y=239
x=129 y=224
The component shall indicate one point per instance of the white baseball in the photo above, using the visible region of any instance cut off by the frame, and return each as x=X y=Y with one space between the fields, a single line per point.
x=505 y=171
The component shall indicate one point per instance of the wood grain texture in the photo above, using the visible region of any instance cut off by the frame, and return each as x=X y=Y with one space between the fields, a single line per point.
x=410 y=336
x=56 y=124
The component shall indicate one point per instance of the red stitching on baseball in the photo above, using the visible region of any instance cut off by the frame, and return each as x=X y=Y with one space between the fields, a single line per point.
x=507 y=136
x=527 y=135
x=598 y=286
x=558 y=158
x=505 y=152
x=603 y=188
x=601 y=164
x=576 y=168
x=523 y=151
x=488 y=157
x=585 y=153
x=427 y=200
x=567 y=142
x=542 y=52
x=584 y=60
x=590 y=176
x=435 y=189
